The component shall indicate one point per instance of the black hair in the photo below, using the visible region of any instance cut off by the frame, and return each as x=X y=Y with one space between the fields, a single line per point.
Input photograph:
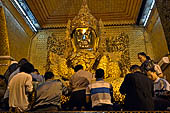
x=27 y=68
x=48 y=75
x=22 y=61
x=144 y=54
x=99 y=73
x=36 y=70
x=78 y=67
x=134 y=67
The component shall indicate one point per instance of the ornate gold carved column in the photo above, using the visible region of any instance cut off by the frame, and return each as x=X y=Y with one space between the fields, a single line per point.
x=4 y=43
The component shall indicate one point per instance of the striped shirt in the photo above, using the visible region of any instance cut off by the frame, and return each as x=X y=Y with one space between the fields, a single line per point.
x=100 y=92
x=50 y=92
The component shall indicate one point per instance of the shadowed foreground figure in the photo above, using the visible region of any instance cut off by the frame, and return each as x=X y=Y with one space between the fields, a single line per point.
x=138 y=89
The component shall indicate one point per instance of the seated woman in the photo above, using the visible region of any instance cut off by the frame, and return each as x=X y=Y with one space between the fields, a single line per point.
x=147 y=63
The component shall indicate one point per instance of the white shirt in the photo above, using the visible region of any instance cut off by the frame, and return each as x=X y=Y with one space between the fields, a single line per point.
x=80 y=80
x=18 y=86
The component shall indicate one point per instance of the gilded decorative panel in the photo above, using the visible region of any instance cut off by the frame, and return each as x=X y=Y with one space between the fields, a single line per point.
x=136 y=39
x=38 y=51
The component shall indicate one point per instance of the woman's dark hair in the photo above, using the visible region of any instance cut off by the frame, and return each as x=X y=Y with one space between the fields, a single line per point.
x=99 y=73
x=144 y=54
x=27 y=68
x=48 y=75
x=78 y=67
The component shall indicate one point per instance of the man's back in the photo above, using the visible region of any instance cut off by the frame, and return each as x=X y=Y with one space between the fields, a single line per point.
x=139 y=90
x=37 y=77
x=18 y=86
x=50 y=92
x=80 y=80
x=100 y=92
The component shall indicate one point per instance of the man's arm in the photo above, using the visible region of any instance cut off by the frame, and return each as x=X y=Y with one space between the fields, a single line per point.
x=88 y=94
x=65 y=89
x=87 y=98
x=158 y=70
x=28 y=84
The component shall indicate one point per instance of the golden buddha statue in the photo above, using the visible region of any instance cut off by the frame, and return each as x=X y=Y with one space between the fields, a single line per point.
x=81 y=46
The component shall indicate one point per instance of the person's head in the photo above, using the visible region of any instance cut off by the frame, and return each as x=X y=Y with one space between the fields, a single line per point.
x=134 y=68
x=99 y=73
x=151 y=73
x=2 y=80
x=143 y=57
x=48 y=75
x=36 y=71
x=78 y=67
x=22 y=61
x=27 y=68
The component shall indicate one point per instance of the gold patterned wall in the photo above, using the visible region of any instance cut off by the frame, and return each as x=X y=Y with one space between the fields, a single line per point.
x=136 y=39
x=38 y=50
